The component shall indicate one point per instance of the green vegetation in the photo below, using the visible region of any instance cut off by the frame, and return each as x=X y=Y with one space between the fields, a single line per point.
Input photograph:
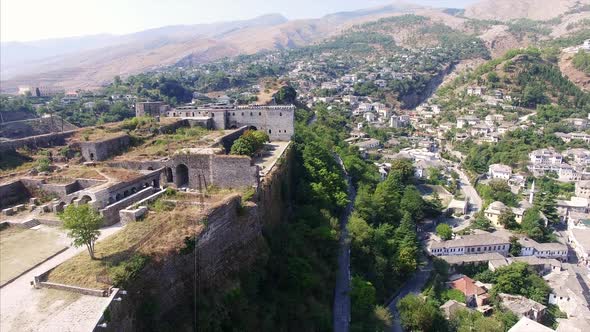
x=82 y=223
x=517 y=279
x=299 y=270
x=249 y=143
x=444 y=231
x=497 y=190
x=581 y=61
x=417 y=314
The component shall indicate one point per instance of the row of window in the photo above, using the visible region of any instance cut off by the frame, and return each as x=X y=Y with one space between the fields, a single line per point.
x=213 y=114
x=252 y=114
x=478 y=249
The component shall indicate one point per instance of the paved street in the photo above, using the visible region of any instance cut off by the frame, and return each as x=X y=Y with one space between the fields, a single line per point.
x=24 y=308
x=412 y=286
x=341 y=310
x=475 y=202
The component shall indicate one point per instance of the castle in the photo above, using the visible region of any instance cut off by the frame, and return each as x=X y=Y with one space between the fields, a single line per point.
x=276 y=121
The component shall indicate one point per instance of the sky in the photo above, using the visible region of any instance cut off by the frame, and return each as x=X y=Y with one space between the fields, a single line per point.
x=42 y=19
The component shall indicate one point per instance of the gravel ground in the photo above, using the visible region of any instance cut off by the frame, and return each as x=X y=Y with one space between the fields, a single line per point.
x=24 y=308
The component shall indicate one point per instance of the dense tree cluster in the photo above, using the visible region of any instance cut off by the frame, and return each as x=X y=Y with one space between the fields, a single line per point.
x=249 y=143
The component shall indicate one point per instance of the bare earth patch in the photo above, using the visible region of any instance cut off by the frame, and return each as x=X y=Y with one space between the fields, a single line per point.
x=21 y=249
x=579 y=78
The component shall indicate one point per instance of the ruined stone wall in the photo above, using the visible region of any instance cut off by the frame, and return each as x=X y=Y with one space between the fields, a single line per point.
x=102 y=150
x=228 y=140
x=171 y=128
x=8 y=116
x=274 y=192
x=34 y=142
x=111 y=212
x=61 y=190
x=224 y=171
x=12 y=193
x=233 y=172
x=34 y=127
x=148 y=108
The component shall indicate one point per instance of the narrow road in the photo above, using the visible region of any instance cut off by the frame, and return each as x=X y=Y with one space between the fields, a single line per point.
x=475 y=202
x=341 y=309
x=412 y=286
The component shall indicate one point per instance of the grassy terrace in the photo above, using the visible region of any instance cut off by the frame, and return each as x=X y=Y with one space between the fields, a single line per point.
x=164 y=145
x=170 y=220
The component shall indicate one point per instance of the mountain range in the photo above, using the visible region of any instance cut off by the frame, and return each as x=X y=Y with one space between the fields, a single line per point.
x=92 y=61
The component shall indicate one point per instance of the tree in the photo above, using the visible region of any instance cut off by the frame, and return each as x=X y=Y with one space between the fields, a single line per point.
x=82 y=223
x=520 y=279
x=545 y=202
x=362 y=298
x=250 y=142
x=508 y=219
x=444 y=231
x=481 y=222
x=515 y=246
x=533 y=225
x=417 y=314
x=413 y=203
x=285 y=95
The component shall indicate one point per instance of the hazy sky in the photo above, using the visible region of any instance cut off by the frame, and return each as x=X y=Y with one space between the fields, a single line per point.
x=22 y=20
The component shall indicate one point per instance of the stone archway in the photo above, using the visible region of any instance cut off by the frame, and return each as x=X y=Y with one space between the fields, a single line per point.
x=85 y=199
x=182 y=176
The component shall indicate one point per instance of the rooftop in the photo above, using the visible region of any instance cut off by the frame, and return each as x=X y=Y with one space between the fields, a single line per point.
x=528 y=325
x=467 y=286
x=471 y=240
x=519 y=304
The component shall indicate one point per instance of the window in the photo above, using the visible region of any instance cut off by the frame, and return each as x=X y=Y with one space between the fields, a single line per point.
x=212 y=115
x=259 y=113
x=233 y=113
x=250 y=113
x=242 y=113
x=281 y=114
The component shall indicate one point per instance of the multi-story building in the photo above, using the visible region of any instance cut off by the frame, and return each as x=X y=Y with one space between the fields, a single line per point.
x=471 y=244
x=277 y=121
x=531 y=247
x=495 y=210
x=583 y=189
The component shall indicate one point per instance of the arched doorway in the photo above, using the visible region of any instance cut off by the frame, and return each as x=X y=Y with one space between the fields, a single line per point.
x=91 y=156
x=182 y=178
x=85 y=199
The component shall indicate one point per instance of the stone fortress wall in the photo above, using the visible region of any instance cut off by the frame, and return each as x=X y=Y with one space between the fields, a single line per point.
x=104 y=149
x=277 y=121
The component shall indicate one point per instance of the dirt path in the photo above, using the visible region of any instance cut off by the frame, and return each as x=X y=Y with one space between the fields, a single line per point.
x=24 y=308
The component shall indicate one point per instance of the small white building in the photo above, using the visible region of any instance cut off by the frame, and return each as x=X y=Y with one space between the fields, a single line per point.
x=369 y=117
x=500 y=171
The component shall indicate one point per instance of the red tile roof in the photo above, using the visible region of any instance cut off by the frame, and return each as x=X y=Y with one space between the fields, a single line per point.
x=467 y=286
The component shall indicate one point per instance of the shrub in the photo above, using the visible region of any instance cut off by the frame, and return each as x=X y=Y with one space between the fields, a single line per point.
x=127 y=270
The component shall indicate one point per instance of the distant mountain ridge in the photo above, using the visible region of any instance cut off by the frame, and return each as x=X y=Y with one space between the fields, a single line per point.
x=92 y=61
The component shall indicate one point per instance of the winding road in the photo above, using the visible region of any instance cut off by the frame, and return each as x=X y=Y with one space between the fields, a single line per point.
x=341 y=308
x=412 y=286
